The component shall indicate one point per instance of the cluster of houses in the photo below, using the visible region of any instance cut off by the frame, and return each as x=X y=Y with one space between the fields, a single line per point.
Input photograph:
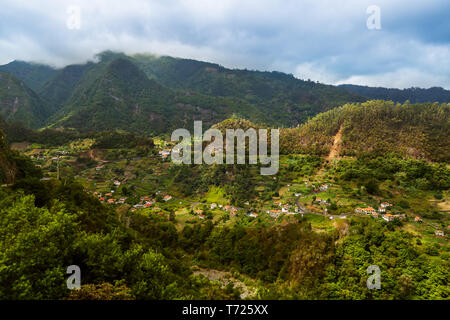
x=231 y=209
x=380 y=212
x=285 y=208
x=322 y=201
x=148 y=202
x=109 y=198
x=164 y=153
x=322 y=188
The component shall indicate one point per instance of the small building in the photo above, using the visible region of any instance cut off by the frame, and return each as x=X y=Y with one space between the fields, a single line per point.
x=213 y=205
x=116 y=183
x=388 y=217
x=385 y=205
x=167 y=198
x=439 y=233
x=418 y=219
x=198 y=211
x=111 y=201
x=274 y=213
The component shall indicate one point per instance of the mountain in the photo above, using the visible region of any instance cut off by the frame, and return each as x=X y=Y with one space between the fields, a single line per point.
x=20 y=103
x=33 y=74
x=288 y=100
x=271 y=97
x=413 y=95
x=123 y=97
x=60 y=86
x=417 y=130
x=148 y=94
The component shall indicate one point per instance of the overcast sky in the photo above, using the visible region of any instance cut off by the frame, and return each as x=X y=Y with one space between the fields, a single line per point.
x=323 y=40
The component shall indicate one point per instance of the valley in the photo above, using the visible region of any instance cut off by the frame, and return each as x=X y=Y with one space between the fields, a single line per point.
x=87 y=179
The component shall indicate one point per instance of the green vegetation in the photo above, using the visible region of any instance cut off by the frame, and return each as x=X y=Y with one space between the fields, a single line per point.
x=359 y=185
x=417 y=130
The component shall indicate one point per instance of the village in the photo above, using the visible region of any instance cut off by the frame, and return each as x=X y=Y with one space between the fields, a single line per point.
x=120 y=182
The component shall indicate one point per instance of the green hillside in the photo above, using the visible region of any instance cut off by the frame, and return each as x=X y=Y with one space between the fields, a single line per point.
x=413 y=95
x=20 y=103
x=417 y=130
x=118 y=95
x=288 y=100
x=34 y=75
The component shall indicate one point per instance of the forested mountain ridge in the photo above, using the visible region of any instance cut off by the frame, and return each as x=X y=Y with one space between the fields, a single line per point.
x=417 y=130
x=274 y=98
x=288 y=100
x=34 y=75
x=123 y=97
x=413 y=95
x=20 y=103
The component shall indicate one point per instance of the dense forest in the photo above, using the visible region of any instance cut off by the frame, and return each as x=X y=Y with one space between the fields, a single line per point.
x=413 y=95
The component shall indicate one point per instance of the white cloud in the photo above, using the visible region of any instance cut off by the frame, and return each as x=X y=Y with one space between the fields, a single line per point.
x=318 y=39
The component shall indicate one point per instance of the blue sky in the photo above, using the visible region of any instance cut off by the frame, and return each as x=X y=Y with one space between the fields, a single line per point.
x=321 y=40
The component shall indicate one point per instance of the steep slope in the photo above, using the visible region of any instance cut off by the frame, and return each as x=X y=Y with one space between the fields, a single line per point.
x=33 y=74
x=414 y=95
x=417 y=130
x=118 y=95
x=8 y=170
x=59 y=88
x=20 y=103
x=76 y=78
